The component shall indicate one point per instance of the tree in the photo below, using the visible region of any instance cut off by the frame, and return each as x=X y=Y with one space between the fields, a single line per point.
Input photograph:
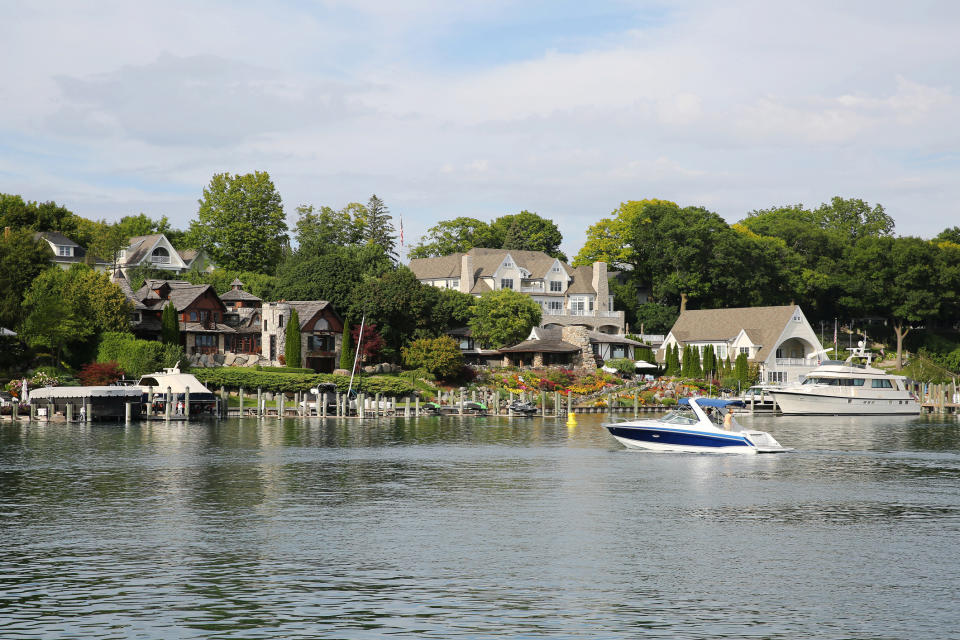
x=741 y=370
x=369 y=342
x=440 y=356
x=951 y=234
x=21 y=260
x=346 y=349
x=853 y=219
x=528 y=231
x=454 y=236
x=654 y=317
x=320 y=229
x=169 y=325
x=67 y=310
x=709 y=361
x=379 y=226
x=607 y=239
x=503 y=317
x=291 y=345
x=240 y=222
x=401 y=306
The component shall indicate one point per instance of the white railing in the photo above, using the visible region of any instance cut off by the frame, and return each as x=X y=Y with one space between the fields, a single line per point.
x=531 y=289
x=160 y=259
x=792 y=362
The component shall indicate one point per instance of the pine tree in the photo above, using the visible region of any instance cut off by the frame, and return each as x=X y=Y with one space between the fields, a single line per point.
x=379 y=226
x=685 y=362
x=169 y=325
x=741 y=370
x=696 y=369
x=709 y=362
x=675 y=360
x=346 y=351
x=291 y=345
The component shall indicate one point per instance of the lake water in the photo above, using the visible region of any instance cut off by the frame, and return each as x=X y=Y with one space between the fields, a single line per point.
x=477 y=528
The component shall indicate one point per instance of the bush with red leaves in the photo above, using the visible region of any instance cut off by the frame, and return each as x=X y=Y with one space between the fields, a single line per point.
x=100 y=373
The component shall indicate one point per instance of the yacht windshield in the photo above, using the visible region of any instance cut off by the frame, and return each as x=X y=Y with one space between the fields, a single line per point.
x=679 y=417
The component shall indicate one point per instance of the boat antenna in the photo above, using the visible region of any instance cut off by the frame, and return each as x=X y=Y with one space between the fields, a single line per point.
x=357 y=356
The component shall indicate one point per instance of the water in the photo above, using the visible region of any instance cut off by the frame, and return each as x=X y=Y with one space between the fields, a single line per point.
x=476 y=528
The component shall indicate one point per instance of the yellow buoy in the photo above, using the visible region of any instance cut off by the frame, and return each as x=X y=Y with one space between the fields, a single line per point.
x=571 y=419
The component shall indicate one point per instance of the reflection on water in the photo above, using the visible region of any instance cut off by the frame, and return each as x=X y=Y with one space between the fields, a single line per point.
x=476 y=528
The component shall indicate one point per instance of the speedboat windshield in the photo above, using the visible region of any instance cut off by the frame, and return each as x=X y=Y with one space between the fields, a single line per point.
x=679 y=417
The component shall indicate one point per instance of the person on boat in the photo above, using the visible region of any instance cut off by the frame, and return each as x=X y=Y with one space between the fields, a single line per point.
x=180 y=407
x=728 y=420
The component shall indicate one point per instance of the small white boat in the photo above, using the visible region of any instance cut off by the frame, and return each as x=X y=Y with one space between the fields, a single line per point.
x=698 y=425
x=173 y=384
x=848 y=388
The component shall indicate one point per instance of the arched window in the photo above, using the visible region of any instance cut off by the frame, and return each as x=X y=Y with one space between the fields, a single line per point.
x=160 y=255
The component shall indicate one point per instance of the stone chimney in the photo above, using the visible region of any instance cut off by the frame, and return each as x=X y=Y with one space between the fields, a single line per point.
x=466 y=273
x=601 y=286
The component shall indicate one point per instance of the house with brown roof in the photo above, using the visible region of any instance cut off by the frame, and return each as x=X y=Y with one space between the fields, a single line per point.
x=573 y=346
x=568 y=296
x=778 y=339
x=321 y=333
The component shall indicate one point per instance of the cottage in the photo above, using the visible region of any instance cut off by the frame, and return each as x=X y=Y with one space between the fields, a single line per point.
x=67 y=253
x=778 y=339
x=568 y=296
x=574 y=347
x=321 y=333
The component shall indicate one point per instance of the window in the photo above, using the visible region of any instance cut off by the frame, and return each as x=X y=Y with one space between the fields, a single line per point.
x=455 y=284
x=556 y=286
x=320 y=343
x=63 y=251
x=776 y=376
x=556 y=305
x=160 y=256
x=618 y=351
x=881 y=384
x=577 y=305
x=193 y=316
x=745 y=351
x=204 y=315
x=590 y=304
x=280 y=322
x=779 y=353
x=506 y=283
x=556 y=269
x=466 y=344
x=265 y=325
x=205 y=340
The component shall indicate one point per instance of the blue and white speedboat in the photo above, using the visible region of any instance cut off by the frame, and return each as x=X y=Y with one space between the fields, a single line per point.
x=698 y=425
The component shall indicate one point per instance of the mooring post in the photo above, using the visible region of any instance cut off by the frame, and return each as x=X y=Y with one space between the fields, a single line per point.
x=543 y=403
x=186 y=402
x=510 y=405
x=127 y=412
x=636 y=403
x=15 y=410
x=259 y=402
x=69 y=412
x=89 y=416
x=150 y=402
x=33 y=412
x=462 y=394
x=241 y=402
x=406 y=408
x=416 y=408
x=167 y=403
x=280 y=399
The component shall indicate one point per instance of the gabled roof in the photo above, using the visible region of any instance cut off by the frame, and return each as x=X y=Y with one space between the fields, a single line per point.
x=307 y=309
x=56 y=238
x=543 y=340
x=124 y=285
x=139 y=247
x=183 y=297
x=239 y=294
x=763 y=325
x=485 y=263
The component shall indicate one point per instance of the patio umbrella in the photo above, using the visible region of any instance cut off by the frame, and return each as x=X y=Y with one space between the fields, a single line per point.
x=643 y=364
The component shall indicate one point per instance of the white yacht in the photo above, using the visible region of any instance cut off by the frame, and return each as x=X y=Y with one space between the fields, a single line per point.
x=848 y=388
x=154 y=386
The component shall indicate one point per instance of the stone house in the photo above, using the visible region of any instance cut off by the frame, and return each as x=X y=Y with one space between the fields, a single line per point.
x=568 y=296
x=321 y=333
x=779 y=340
x=573 y=346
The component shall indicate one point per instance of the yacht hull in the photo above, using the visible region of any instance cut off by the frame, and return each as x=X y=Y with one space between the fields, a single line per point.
x=802 y=403
x=689 y=441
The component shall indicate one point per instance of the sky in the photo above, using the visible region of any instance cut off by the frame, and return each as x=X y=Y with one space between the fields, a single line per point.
x=481 y=109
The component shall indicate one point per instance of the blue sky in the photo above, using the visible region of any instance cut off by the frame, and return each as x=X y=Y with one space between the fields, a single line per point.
x=485 y=108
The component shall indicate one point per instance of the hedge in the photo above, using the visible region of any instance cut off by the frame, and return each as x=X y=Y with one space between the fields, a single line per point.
x=251 y=379
x=139 y=357
x=285 y=369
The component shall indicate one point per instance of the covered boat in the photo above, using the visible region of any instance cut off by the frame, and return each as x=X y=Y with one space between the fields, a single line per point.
x=173 y=384
x=698 y=425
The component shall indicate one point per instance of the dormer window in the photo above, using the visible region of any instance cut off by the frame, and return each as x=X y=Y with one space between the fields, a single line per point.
x=64 y=251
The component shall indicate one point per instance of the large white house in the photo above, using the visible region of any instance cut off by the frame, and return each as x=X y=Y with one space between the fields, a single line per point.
x=156 y=251
x=779 y=339
x=568 y=296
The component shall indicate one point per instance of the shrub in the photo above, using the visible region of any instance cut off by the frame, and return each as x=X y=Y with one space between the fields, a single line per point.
x=100 y=373
x=440 y=356
x=139 y=357
x=624 y=366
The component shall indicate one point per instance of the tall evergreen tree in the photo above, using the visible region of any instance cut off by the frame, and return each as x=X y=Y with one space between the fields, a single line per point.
x=379 y=226
x=291 y=345
x=709 y=361
x=169 y=325
x=696 y=368
x=346 y=350
x=741 y=370
x=685 y=362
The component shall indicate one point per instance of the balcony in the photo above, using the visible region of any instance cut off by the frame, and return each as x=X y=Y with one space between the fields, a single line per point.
x=160 y=259
x=794 y=362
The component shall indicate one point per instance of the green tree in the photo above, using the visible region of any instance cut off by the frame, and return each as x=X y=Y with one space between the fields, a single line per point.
x=709 y=361
x=503 y=317
x=608 y=241
x=528 y=231
x=673 y=360
x=454 y=236
x=292 y=340
x=440 y=356
x=240 y=222
x=169 y=325
x=654 y=317
x=21 y=260
x=401 y=307
x=741 y=371
x=379 y=226
x=853 y=219
x=319 y=229
x=346 y=349
x=951 y=234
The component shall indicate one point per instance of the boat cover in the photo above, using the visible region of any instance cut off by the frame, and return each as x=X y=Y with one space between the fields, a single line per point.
x=714 y=402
